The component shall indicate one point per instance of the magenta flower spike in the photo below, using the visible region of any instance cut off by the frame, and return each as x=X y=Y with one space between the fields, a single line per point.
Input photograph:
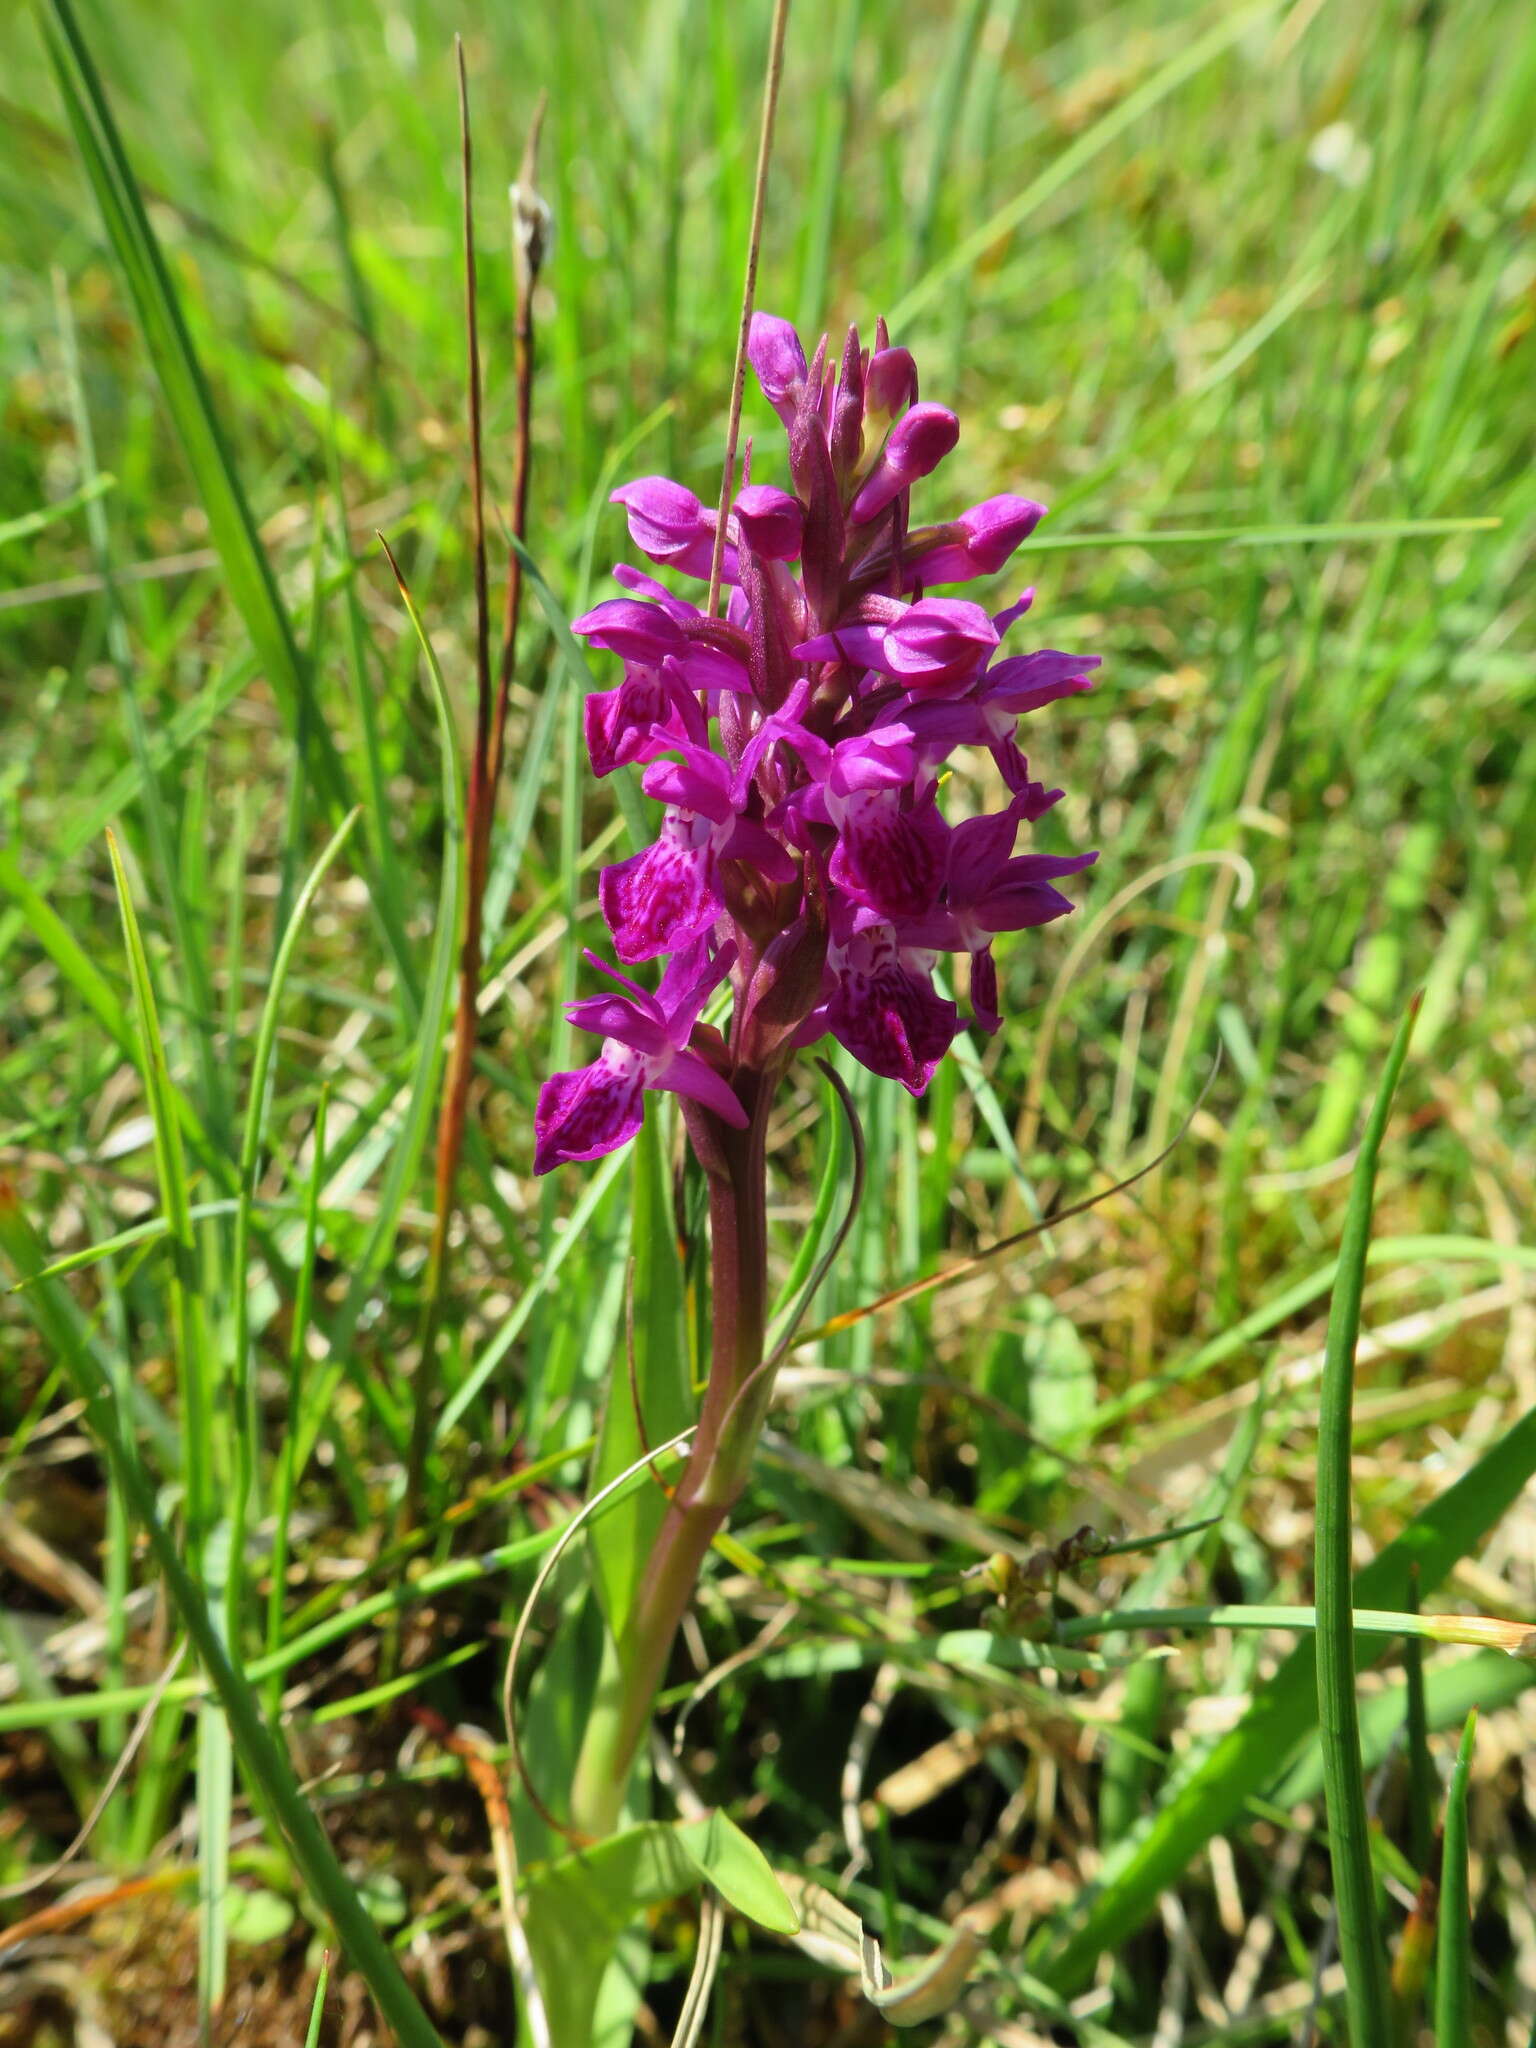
x=797 y=745
x=798 y=749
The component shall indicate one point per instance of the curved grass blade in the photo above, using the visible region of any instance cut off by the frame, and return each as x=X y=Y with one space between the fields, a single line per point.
x=814 y=1260
x=1349 y=1835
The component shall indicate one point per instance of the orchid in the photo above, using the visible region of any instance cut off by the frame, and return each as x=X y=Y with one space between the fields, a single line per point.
x=798 y=744
x=799 y=748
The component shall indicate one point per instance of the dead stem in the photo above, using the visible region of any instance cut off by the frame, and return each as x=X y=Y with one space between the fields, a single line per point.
x=748 y=290
x=485 y=763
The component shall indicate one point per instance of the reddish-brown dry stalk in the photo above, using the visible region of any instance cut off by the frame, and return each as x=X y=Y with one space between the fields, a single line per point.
x=484 y=773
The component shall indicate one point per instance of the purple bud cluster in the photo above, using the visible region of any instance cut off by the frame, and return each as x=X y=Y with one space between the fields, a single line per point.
x=797 y=747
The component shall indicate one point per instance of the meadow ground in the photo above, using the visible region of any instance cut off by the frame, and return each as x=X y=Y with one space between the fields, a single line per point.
x=1247 y=297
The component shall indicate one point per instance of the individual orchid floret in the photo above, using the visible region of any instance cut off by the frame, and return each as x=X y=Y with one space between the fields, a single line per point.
x=597 y=1108
x=669 y=894
x=938 y=641
x=632 y=629
x=670 y=524
x=989 y=889
x=774 y=351
x=649 y=633
x=651 y=711
x=978 y=543
x=884 y=1008
x=915 y=446
x=771 y=522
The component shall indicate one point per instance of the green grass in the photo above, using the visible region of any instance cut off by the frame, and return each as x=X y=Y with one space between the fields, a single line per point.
x=1281 y=412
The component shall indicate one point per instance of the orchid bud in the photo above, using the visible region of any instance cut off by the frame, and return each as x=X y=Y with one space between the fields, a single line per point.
x=771 y=522
x=774 y=351
x=978 y=543
x=939 y=640
x=890 y=386
x=917 y=443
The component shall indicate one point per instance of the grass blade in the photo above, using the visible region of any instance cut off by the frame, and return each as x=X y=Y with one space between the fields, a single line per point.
x=247 y=1419
x=1453 y=1950
x=247 y=570
x=1349 y=1834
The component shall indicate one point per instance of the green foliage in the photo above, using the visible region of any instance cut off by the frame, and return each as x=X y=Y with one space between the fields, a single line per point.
x=1245 y=296
x=578 y=1906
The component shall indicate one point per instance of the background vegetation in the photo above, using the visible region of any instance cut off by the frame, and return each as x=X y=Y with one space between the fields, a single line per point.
x=1247 y=297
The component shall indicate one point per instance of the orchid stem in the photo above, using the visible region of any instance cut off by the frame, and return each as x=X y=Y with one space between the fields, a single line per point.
x=719 y=1461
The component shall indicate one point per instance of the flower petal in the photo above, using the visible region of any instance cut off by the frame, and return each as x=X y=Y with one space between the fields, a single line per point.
x=594 y=1110
x=664 y=896
x=890 y=1017
x=891 y=858
x=689 y=1075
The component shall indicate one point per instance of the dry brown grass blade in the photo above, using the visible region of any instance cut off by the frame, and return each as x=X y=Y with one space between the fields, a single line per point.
x=771 y=84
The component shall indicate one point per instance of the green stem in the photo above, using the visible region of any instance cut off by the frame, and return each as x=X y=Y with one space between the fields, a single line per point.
x=735 y=1400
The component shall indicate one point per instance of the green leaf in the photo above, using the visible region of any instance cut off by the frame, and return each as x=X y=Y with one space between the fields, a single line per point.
x=257 y=1915
x=577 y=1908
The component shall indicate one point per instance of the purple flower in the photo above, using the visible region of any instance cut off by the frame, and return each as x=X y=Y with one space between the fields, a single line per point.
x=884 y=1008
x=916 y=445
x=596 y=1109
x=770 y=521
x=668 y=523
x=978 y=543
x=797 y=747
x=989 y=890
x=669 y=894
x=774 y=351
x=939 y=641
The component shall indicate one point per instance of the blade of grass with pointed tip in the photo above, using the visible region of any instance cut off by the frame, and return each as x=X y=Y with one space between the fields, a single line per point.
x=288 y=1471
x=1349 y=1833
x=1453 y=1948
x=189 y=401
x=243 y=1392
x=204 y=1449
x=193 y=1364
x=317 y=2010
x=421 y=1094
